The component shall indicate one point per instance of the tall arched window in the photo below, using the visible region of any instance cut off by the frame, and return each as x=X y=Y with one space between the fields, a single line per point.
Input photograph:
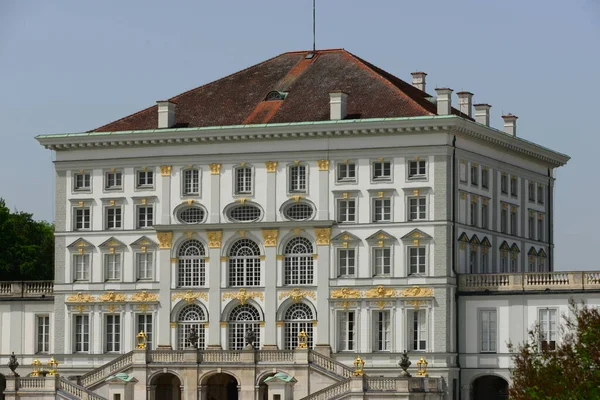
x=191 y=271
x=298 y=263
x=297 y=318
x=192 y=316
x=242 y=318
x=244 y=263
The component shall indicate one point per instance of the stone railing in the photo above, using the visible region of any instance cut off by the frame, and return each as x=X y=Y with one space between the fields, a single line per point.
x=32 y=383
x=275 y=356
x=529 y=281
x=162 y=356
x=26 y=288
x=330 y=364
x=381 y=384
x=99 y=374
x=220 y=356
x=331 y=392
x=76 y=390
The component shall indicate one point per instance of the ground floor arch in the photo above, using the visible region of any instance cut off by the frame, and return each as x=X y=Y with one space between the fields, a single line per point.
x=220 y=386
x=490 y=387
x=165 y=386
x=2 y=386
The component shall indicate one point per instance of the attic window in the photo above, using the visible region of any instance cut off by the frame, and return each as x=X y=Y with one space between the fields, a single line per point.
x=275 y=95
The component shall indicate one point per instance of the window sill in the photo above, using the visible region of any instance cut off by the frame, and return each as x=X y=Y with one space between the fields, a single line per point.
x=380 y=180
x=417 y=178
x=346 y=181
x=82 y=190
x=113 y=189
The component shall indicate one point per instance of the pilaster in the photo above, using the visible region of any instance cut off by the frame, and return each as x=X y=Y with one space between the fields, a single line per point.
x=165 y=199
x=215 y=193
x=214 y=283
x=270 y=245
x=323 y=200
x=271 y=187
x=322 y=282
x=163 y=274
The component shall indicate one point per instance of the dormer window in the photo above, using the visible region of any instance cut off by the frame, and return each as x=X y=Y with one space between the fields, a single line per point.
x=275 y=95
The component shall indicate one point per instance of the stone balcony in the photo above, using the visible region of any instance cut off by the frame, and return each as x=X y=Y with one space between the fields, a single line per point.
x=26 y=289
x=530 y=282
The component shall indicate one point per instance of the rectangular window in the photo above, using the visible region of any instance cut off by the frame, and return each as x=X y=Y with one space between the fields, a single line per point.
x=463 y=171
x=382 y=209
x=416 y=260
x=473 y=261
x=113 y=217
x=504 y=183
x=488 y=330
x=531 y=226
x=145 y=179
x=504 y=262
x=81 y=270
x=540 y=194
x=243 y=180
x=346 y=210
x=297 y=176
x=143 y=262
x=540 y=228
x=145 y=217
x=418 y=330
x=112 y=266
x=191 y=182
x=473 y=213
x=417 y=208
x=474 y=174
x=113 y=334
x=82 y=218
x=547 y=320
x=514 y=190
x=346 y=172
x=513 y=263
x=43 y=334
x=504 y=220
x=484 y=216
x=531 y=191
x=382 y=336
x=382 y=171
x=513 y=222
x=484 y=262
x=541 y=264
x=347 y=262
x=417 y=169
x=144 y=324
x=82 y=181
x=485 y=178
x=113 y=180
x=347 y=325
x=382 y=261
x=81 y=340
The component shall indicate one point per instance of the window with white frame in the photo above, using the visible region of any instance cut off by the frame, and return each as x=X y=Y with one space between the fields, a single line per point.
x=346 y=262
x=485 y=178
x=382 y=261
x=82 y=181
x=514 y=267
x=346 y=172
x=114 y=218
x=548 y=330
x=81 y=333
x=417 y=169
x=346 y=330
x=191 y=264
x=298 y=318
x=381 y=171
x=145 y=216
x=514 y=189
x=473 y=212
x=474 y=174
x=346 y=210
x=463 y=171
x=531 y=191
x=144 y=324
x=504 y=183
x=382 y=209
x=382 y=335
x=488 y=330
x=191 y=214
x=503 y=261
x=244 y=263
x=417 y=322
x=242 y=318
x=540 y=228
x=484 y=215
x=297 y=178
x=191 y=317
x=112 y=266
x=82 y=218
x=473 y=268
x=243 y=180
x=191 y=181
x=298 y=262
x=81 y=266
x=301 y=211
x=540 y=194
x=531 y=225
x=144 y=178
x=113 y=180
x=416 y=260
x=541 y=264
x=43 y=334
x=484 y=261
x=243 y=213
x=112 y=333
x=417 y=208
x=504 y=220
x=144 y=266
x=513 y=221
x=532 y=264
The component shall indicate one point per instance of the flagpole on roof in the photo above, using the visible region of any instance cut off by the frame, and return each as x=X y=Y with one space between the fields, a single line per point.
x=314 y=29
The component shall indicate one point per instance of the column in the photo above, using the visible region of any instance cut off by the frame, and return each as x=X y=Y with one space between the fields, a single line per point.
x=215 y=193
x=271 y=211
x=323 y=200
x=164 y=268
x=322 y=279
x=270 y=271
x=214 y=283
x=165 y=195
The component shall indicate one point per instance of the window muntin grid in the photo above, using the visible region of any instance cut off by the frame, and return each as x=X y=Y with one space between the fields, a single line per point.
x=113 y=334
x=242 y=318
x=191 y=215
x=145 y=216
x=144 y=324
x=43 y=334
x=347 y=210
x=484 y=178
x=191 y=264
x=82 y=181
x=299 y=211
x=474 y=175
x=504 y=183
x=513 y=186
x=417 y=260
x=191 y=316
x=144 y=265
x=382 y=335
x=540 y=228
x=418 y=330
x=82 y=218
x=382 y=209
x=540 y=194
x=298 y=262
x=244 y=263
x=145 y=178
x=298 y=317
x=382 y=171
x=488 y=329
x=417 y=169
x=113 y=180
x=346 y=262
x=243 y=180
x=191 y=181
x=112 y=266
x=81 y=267
x=417 y=208
x=382 y=261
x=346 y=172
x=244 y=213
x=297 y=176
x=114 y=217
x=81 y=334
x=346 y=330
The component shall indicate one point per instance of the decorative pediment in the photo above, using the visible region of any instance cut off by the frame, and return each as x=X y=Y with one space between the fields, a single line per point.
x=542 y=253
x=381 y=237
x=504 y=246
x=514 y=248
x=532 y=252
x=144 y=241
x=463 y=238
x=346 y=237
x=417 y=234
x=80 y=243
x=485 y=242
x=112 y=243
x=475 y=240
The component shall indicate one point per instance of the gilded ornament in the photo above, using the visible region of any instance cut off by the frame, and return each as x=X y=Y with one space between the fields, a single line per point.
x=81 y=203
x=416 y=192
x=144 y=201
x=189 y=201
x=242 y=296
x=345 y=195
x=242 y=233
x=111 y=308
x=271 y=166
x=223 y=324
x=144 y=296
x=416 y=242
x=224 y=258
x=345 y=293
x=279 y=323
x=165 y=239
x=173 y=324
x=242 y=200
x=280 y=257
x=416 y=303
x=417 y=291
x=296 y=294
x=112 y=202
x=81 y=298
x=189 y=234
x=463 y=195
x=80 y=308
x=270 y=237
x=380 y=292
x=165 y=170
x=215 y=169
x=323 y=236
x=112 y=297
x=174 y=259
x=296 y=198
x=189 y=296
x=323 y=165
x=214 y=239
x=380 y=194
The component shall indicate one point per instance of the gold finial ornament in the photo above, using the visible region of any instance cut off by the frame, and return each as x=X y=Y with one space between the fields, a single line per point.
x=422 y=367
x=52 y=367
x=302 y=340
x=141 y=340
x=35 y=367
x=359 y=367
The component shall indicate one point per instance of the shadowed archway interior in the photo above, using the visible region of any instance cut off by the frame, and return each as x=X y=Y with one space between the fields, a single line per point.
x=222 y=386
x=490 y=387
x=166 y=387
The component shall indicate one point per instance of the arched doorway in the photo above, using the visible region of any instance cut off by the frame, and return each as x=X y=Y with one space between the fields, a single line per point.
x=221 y=386
x=263 y=389
x=2 y=386
x=166 y=387
x=490 y=387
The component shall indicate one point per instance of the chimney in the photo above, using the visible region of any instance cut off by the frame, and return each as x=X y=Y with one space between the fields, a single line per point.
x=482 y=114
x=418 y=80
x=510 y=124
x=338 y=105
x=465 y=100
x=166 y=114
x=444 y=101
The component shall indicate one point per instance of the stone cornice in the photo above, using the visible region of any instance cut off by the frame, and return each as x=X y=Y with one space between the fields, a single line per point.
x=246 y=226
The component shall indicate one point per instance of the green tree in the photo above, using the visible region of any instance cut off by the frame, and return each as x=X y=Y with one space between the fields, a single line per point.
x=26 y=246
x=570 y=370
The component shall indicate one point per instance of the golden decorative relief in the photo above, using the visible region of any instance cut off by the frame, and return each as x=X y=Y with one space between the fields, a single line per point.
x=81 y=203
x=474 y=198
x=323 y=165
x=347 y=303
x=165 y=170
x=112 y=202
x=81 y=298
x=345 y=195
x=416 y=192
x=271 y=166
x=215 y=169
x=189 y=234
x=242 y=233
x=382 y=304
x=270 y=237
x=262 y=257
x=315 y=256
x=111 y=297
x=323 y=236
x=463 y=195
x=189 y=201
x=242 y=200
x=417 y=291
x=144 y=296
x=189 y=296
x=380 y=292
x=223 y=324
x=297 y=231
x=214 y=239
x=142 y=307
x=111 y=308
x=380 y=194
x=165 y=239
x=280 y=257
x=279 y=323
x=416 y=242
x=485 y=201
x=345 y=293
x=513 y=208
x=416 y=303
x=242 y=296
x=174 y=259
x=296 y=198
x=173 y=324
x=296 y=295
x=144 y=201
x=80 y=308
x=224 y=258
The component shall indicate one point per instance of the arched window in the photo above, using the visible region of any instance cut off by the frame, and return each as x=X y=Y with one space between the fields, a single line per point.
x=297 y=318
x=191 y=317
x=244 y=263
x=298 y=263
x=191 y=271
x=242 y=318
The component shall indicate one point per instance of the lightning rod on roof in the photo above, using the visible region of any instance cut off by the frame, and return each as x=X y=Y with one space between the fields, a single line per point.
x=314 y=28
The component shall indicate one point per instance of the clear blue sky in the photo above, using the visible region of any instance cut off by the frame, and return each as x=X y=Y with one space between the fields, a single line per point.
x=72 y=65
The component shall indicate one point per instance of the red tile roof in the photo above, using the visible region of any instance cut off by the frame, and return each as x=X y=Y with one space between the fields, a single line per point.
x=240 y=98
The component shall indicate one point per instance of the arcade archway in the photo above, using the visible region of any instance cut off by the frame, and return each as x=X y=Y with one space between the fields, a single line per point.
x=166 y=386
x=490 y=387
x=221 y=386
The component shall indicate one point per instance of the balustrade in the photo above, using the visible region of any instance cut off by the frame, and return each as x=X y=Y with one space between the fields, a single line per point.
x=530 y=281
